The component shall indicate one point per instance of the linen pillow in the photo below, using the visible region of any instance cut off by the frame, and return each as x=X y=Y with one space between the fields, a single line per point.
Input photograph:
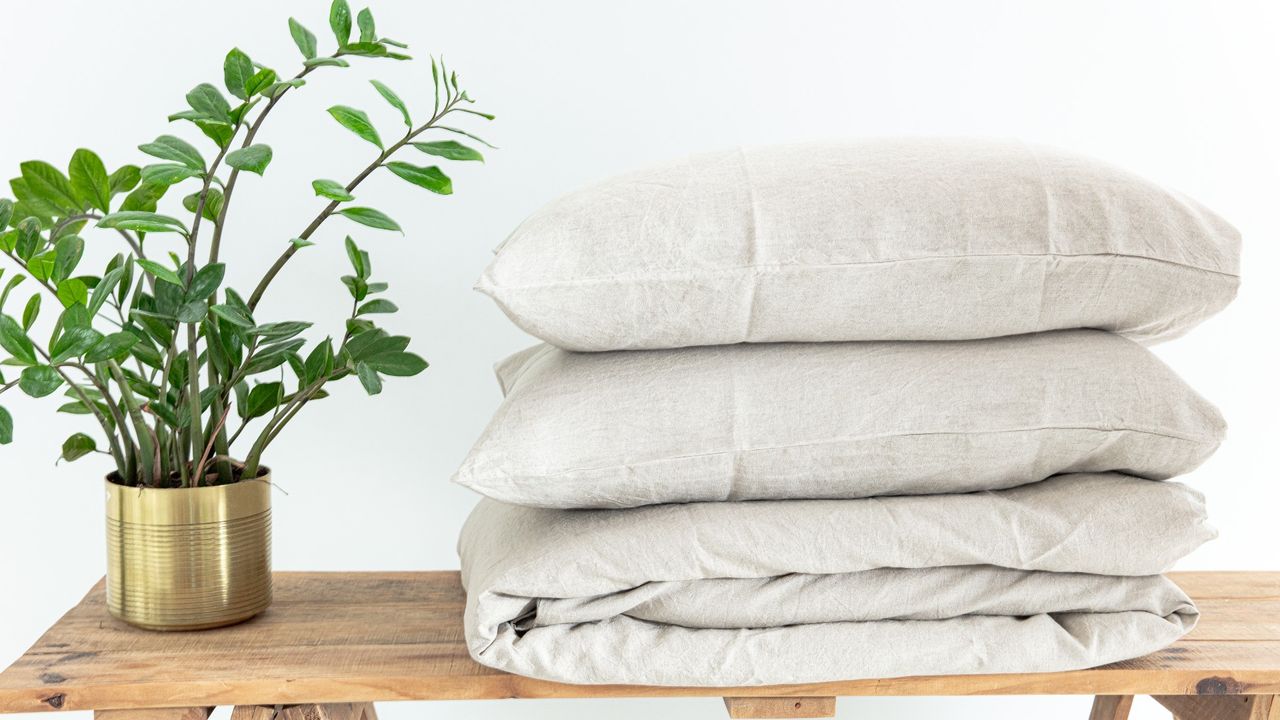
x=833 y=420
x=888 y=240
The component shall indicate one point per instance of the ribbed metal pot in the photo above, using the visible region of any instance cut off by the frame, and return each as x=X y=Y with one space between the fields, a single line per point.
x=189 y=558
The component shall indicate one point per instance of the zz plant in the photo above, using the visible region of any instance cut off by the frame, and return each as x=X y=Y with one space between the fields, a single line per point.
x=172 y=364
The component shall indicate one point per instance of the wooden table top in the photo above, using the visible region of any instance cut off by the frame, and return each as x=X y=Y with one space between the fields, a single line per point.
x=366 y=637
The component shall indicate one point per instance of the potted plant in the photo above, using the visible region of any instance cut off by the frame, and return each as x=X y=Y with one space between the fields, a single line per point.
x=187 y=384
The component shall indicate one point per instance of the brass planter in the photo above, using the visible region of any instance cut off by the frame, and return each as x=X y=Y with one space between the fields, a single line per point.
x=189 y=558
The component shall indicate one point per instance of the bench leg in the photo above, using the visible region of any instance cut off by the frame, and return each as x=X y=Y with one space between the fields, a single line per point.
x=1221 y=707
x=1111 y=707
x=325 y=711
x=154 y=714
x=780 y=707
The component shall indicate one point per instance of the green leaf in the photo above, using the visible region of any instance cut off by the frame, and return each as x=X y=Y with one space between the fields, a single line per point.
x=31 y=312
x=14 y=340
x=193 y=311
x=300 y=243
x=168 y=147
x=449 y=150
x=67 y=254
x=365 y=49
x=89 y=180
x=41 y=266
x=233 y=315
x=364 y=20
x=277 y=331
x=124 y=179
x=377 y=306
x=331 y=189
x=9 y=286
x=237 y=68
x=6 y=212
x=357 y=258
x=115 y=346
x=212 y=203
x=73 y=343
x=319 y=362
x=206 y=282
x=273 y=356
x=358 y=287
x=143 y=198
x=303 y=38
x=368 y=378
x=340 y=21
x=168 y=173
x=263 y=399
x=103 y=289
x=325 y=61
x=73 y=292
x=391 y=97
x=260 y=81
x=77 y=446
x=48 y=183
x=357 y=122
x=277 y=88
x=219 y=132
x=142 y=222
x=431 y=178
x=253 y=158
x=369 y=216
x=6 y=427
x=39 y=381
x=29 y=239
x=160 y=272
x=398 y=364
x=209 y=102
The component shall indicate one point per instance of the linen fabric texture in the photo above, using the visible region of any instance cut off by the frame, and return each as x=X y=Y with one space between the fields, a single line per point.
x=832 y=420
x=1050 y=576
x=911 y=239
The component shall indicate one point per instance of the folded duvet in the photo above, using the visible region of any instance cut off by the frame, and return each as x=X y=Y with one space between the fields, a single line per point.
x=1054 y=575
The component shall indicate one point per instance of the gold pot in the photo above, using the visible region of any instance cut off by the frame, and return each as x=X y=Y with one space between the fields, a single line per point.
x=189 y=558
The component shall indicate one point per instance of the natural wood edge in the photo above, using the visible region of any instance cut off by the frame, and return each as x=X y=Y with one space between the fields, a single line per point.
x=1111 y=707
x=180 y=713
x=329 y=711
x=1221 y=707
x=253 y=712
x=780 y=707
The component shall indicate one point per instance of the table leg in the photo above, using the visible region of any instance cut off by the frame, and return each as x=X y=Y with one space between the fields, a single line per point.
x=1111 y=707
x=780 y=707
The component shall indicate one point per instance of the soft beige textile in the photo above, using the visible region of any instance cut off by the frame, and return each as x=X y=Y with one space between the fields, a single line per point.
x=833 y=420
x=912 y=239
x=1055 y=575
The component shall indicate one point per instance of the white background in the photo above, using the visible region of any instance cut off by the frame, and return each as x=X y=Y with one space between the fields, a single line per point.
x=1185 y=93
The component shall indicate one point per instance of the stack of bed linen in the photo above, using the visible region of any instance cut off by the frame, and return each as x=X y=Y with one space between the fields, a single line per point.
x=843 y=411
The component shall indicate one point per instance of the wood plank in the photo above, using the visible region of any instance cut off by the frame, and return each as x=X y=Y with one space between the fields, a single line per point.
x=155 y=714
x=780 y=707
x=1111 y=707
x=333 y=711
x=1225 y=707
x=364 y=637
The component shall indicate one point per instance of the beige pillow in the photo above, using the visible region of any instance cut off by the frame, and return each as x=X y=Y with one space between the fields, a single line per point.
x=888 y=240
x=833 y=420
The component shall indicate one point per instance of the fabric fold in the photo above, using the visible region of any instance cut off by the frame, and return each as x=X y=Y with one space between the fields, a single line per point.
x=1055 y=575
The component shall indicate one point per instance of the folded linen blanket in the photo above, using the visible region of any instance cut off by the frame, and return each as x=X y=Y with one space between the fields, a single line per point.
x=1055 y=575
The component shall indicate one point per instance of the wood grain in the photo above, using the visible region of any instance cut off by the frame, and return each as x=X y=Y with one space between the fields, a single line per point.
x=1239 y=707
x=368 y=637
x=1111 y=707
x=155 y=714
x=780 y=707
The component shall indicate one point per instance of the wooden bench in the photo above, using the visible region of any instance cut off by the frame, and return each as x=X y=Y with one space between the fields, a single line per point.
x=335 y=643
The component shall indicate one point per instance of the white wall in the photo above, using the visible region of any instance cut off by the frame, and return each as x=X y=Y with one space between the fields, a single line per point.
x=1183 y=92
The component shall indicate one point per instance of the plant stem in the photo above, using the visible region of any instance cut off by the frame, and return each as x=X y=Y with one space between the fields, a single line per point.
x=216 y=245
x=289 y=252
x=147 y=448
x=121 y=465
